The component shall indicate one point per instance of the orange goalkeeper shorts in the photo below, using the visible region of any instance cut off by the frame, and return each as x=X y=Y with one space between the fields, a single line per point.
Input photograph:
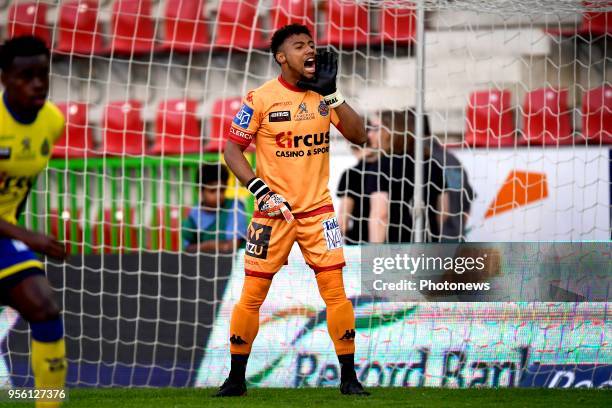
x=269 y=241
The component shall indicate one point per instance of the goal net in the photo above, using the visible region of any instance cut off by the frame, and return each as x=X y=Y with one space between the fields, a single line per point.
x=492 y=119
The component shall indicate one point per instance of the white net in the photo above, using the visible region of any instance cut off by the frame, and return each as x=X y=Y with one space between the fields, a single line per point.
x=519 y=103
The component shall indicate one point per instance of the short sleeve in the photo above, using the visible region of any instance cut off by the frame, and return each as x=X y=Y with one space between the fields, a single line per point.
x=247 y=120
x=58 y=122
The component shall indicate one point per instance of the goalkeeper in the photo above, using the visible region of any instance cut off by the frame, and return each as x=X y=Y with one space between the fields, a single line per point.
x=289 y=117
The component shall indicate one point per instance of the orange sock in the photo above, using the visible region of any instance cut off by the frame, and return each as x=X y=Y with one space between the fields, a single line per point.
x=340 y=314
x=245 y=317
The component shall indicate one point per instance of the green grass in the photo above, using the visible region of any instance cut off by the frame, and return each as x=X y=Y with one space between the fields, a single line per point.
x=330 y=397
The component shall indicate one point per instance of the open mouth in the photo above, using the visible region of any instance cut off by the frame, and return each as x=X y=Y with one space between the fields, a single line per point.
x=309 y=65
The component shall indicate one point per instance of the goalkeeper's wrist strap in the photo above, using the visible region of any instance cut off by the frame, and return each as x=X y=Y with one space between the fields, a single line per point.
x=257 y=187
x=334 y=100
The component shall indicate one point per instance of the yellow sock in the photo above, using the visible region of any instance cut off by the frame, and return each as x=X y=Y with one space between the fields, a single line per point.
x=49 y=367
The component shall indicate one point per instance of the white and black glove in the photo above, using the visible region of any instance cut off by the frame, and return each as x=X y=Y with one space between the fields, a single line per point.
x=269 y=202
x=324 y=82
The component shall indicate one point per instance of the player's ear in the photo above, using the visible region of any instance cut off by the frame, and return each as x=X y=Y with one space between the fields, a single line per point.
x=281 y=58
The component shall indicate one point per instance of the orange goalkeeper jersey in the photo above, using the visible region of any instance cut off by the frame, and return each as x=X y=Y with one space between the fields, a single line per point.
x=291 y=128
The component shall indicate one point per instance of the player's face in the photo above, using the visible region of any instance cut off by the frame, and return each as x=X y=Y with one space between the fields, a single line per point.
x=212 y=195
x=299 y=54
x=378 y=136
x=26 y=82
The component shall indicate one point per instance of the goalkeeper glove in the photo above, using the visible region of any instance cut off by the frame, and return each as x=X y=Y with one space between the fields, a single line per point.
x=324 y=82
x=268 y=202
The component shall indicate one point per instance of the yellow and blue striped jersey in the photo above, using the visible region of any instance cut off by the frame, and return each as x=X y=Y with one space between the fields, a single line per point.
x=25 y=150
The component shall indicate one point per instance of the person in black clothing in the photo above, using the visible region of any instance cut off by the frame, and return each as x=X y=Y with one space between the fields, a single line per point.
x=391 y=203
x=354 y=190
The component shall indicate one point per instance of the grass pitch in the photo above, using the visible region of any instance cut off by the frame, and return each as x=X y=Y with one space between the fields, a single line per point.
x=331 y=397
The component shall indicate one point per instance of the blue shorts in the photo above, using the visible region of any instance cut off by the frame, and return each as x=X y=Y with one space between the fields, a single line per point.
x=17 y=261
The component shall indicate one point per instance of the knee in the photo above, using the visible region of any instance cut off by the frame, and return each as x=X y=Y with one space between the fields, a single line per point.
x=45 y=309
x=254 y=293
x=331 y=287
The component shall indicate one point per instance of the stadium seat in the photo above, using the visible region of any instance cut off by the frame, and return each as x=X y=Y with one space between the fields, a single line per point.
x=29 y=18
x=223 y=112
x=117 y=227
x=166 y=228
x=185 y=28
x=594 y=22
x=546 y=118
x=396 y=25
x=77 y=140
x=177 y=127
x=347 y=24
x=293 y=11
x=68 y=218
x=489 y=120
x=597 y=115
x=132 y=27
x=123 y=128
x=78 y=29
x=235 y=22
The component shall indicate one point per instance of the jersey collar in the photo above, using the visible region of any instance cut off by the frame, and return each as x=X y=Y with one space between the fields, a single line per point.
x=288 y=85
x=15 y=115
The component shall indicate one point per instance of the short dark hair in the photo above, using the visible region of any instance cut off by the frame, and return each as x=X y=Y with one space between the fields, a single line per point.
x=404 y=121
x=213 y=173
x=280 y=35
x=24 y=46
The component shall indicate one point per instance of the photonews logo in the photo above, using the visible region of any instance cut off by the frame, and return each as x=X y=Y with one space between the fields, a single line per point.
x=409 y=343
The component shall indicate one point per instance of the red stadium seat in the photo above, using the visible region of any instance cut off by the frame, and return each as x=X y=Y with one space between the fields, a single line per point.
x=347 y=24
x=223 y=113
x=123 y=128
x=489 y=120
x=78 y=28
x=185 y=28
x=77 y=140
x=166 y=228
x=397 y=25
x=546 y=118
x=120 y=231
x=177 y=127
x=132 y=27
x=597 y=115
x=29 y=18
x=597 y=23
x=293 y=11
x=67 y=219
x=235 y=23
x=594 y=21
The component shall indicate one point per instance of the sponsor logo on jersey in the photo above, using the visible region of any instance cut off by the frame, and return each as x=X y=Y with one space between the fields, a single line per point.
x=246 y=136
x=243 y=117
x=44 y=148
x=323 y=109
x=303 y=114
x=258 y=240
x=10 y=183
x=249 y=97
x=332 y=233
x=26 y=152
x=283 y=103
x=5 y=153
x=287 y=140
x=279 y=116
